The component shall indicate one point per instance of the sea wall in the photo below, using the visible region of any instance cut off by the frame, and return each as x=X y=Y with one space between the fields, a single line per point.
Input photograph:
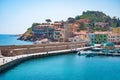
x=17 y=61
x=28 y=49
x=16 y=50
x=9 y=65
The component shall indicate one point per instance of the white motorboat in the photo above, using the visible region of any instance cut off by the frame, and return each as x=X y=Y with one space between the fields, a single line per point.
x=93 y=51
x=84 y=52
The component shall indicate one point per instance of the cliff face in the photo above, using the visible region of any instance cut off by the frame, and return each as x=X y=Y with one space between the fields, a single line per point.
x=27 y=36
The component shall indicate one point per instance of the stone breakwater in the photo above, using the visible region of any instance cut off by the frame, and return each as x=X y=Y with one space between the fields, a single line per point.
x=13 y=55
x=12 y=61
x=28 y=49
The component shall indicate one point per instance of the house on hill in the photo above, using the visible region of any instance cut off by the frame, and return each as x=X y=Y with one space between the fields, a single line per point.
x=43 y=31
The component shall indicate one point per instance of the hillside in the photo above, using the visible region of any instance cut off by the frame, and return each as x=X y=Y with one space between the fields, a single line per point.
x=96 y=16
x=98 y=21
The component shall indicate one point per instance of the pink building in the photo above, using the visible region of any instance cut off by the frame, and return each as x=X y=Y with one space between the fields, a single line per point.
x=115 y=38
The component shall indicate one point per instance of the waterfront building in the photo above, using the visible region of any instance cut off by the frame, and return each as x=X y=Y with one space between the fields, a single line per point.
x=100 y=37
x=57 y=25
x=115 y=38
x=116 y=30
x=43 y=31
x=79 y=36
x=91 y=36
x=58 y=36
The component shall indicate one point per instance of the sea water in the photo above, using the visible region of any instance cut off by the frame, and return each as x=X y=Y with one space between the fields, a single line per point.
x=66 y=67
x=6 y=39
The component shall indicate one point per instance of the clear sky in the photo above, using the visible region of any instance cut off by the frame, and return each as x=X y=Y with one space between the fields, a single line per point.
x=17 y=15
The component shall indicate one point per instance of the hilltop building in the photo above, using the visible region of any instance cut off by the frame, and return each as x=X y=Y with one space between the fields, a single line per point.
x=102 y=24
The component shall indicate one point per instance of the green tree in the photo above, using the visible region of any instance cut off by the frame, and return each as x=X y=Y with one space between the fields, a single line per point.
x=82 y=26
x=77 y=17
x=35 y=24
x=70 y=20
x=48 y=20
x=118 y=22
x=29 y=29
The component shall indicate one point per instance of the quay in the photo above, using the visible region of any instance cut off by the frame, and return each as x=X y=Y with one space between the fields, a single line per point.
x=13 y=55
x=15 y=50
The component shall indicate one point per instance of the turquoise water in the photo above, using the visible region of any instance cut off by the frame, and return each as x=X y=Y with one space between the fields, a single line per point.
x=66 y=67
x=11 y=40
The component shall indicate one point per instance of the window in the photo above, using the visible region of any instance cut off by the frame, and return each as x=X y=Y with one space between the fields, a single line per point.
x=58 y=36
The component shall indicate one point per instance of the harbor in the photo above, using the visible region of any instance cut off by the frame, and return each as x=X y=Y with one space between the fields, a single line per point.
x=12 y=55
x=106 y=49
x=59 y=40
x=70 y=65
x=82 y=49
x=55 y=60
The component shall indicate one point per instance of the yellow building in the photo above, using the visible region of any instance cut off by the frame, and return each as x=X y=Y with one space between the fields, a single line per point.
x=116 y=30
x=83 y=35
